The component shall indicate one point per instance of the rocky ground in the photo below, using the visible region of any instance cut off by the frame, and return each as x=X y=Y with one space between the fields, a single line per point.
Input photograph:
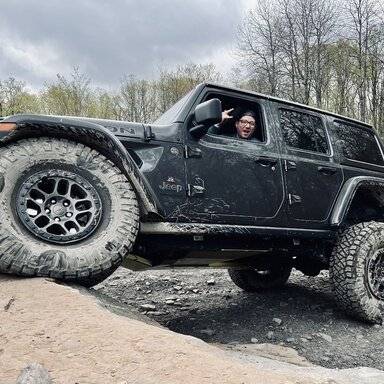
x=205 y=303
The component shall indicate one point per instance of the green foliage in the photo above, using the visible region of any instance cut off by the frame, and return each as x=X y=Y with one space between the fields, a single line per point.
x=135 y=100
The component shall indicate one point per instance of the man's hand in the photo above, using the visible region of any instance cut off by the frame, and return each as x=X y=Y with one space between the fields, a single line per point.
x=225 y=115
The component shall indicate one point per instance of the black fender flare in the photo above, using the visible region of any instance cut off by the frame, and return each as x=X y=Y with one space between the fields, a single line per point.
x=347 y=194
x=92 y=135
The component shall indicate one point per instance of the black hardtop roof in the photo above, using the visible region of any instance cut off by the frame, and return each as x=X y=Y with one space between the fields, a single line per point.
x=291 y=103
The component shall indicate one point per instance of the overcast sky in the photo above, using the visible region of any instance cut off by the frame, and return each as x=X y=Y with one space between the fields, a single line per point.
x=109 y=39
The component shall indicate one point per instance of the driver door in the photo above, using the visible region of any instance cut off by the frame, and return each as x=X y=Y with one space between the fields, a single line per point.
x=235 y=181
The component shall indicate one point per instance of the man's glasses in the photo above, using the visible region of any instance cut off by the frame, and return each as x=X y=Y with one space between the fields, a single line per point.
x=246 y=122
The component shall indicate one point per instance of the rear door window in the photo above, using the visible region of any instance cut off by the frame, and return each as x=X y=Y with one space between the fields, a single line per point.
x=358 y=143
x=303 y=131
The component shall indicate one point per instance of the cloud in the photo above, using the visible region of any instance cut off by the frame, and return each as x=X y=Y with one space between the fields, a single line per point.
x=109 y=39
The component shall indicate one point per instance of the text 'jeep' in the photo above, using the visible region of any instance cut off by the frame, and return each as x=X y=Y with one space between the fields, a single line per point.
x=80 y=196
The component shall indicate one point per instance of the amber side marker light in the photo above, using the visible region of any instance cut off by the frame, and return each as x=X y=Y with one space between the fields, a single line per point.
x=6 y=127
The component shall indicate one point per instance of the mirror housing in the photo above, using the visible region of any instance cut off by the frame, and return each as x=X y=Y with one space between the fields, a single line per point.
x=206 y=114
x=209 y=112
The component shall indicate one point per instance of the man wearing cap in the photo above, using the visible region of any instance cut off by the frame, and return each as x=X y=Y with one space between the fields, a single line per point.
x=245 y=124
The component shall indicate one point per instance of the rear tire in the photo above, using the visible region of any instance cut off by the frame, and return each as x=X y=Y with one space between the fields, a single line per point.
x=357 y=271
x=257 y=280
x=84 y=249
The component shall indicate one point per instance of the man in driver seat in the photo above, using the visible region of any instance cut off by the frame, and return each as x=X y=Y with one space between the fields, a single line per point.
x=245 y=125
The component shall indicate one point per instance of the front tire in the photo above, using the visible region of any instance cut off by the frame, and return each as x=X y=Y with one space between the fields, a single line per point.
x=357 y=271
x=66 y=211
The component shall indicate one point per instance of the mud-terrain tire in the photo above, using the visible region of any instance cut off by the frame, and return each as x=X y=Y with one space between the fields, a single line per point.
x=85 y=256
x=254 y=280
x=357 y=261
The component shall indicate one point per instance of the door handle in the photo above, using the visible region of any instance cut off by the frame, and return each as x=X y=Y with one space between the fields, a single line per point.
x=327 y=170
x=266 y=161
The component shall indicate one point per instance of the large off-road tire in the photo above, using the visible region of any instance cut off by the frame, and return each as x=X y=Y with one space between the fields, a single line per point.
x=258 y=280
x=357 y=271
x=65 y=211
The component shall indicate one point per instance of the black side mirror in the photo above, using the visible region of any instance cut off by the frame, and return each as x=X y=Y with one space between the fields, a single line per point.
x=206 y=114
x=209 y=112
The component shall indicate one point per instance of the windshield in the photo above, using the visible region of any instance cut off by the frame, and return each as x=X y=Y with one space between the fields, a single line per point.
x=172 y=113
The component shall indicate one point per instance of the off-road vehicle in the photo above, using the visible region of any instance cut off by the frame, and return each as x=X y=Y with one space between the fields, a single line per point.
x=80 y=196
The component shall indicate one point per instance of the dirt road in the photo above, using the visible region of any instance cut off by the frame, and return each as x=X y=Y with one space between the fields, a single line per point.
x=206 y=304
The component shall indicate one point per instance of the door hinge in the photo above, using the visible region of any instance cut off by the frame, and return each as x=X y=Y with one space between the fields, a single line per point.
x=191 y=152
x=293 y=199
x=148 y=134
x=193 y=190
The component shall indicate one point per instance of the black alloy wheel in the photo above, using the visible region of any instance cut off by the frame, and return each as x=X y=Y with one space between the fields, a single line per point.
x=375 y=274
x=59 y=206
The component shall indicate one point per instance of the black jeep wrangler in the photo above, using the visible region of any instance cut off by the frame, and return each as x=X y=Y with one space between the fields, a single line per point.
x=80 y=196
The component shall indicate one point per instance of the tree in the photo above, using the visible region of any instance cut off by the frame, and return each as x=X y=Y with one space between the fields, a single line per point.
x=72 y=96
x=14 y=98
x=260 y=48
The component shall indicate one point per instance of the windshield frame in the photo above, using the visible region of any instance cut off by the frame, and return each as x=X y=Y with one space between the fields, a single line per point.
x=176 y=112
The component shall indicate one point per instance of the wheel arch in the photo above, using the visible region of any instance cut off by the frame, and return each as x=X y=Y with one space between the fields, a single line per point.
x=350 y=202
x=92 y=135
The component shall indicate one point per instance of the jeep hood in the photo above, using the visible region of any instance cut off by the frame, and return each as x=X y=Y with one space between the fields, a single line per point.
x=121 y=129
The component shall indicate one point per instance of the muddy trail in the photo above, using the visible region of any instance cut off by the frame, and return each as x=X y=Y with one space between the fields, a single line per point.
x=205 y=303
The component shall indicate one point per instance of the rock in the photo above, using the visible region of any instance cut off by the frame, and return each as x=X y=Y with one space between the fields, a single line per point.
x=147 y=283
x=270 y=335
x=177 y=287
x=254 y=340
x=195 y=290
x=155 y=313
x=325 y=337
x=211 y=282
x=290 y=340
x=277 y=353
x=149 y=291
x=34 y=374
x=170 y=298
x=169 y=302
x=148 y=307
x=209 y=332
x=277 y=320
x=113 y=283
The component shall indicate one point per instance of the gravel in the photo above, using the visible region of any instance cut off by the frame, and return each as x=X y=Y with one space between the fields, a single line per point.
x=302 y=315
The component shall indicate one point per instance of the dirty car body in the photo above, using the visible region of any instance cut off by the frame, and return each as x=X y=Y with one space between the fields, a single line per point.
x=217 y=200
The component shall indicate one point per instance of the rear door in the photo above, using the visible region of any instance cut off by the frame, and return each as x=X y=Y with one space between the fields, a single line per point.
x=313 y=177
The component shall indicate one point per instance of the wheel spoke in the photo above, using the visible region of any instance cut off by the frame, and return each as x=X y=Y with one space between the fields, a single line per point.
x=376 y=276
x=59 y=206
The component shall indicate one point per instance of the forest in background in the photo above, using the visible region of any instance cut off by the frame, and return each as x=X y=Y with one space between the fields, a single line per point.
x=318 y=52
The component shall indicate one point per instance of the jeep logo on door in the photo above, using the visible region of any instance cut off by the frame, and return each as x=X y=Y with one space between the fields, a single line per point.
x=170 y=186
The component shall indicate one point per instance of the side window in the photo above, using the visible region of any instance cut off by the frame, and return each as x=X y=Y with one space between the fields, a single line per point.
x=303 y=131
x=238 y=107
x=357 y=143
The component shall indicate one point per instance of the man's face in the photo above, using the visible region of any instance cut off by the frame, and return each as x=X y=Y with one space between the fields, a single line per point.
x=245 y=127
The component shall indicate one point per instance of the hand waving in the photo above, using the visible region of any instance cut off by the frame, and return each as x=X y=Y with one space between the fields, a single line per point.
x=225 y=115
